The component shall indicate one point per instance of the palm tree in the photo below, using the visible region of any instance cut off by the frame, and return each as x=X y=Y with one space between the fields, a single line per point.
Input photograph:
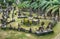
x=51 y=7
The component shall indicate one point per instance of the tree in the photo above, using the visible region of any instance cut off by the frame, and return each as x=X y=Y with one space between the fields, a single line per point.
x=51 y=7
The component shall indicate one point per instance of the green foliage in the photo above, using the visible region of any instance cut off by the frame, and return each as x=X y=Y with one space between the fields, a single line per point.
x=50 y=8
x=44 y=5
x=25 y=4
x=29 y=22
x=19 y=5
x=34 y=5
x=48 y=3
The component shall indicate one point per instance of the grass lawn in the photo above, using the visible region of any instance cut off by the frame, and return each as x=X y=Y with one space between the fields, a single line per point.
x=10 y=34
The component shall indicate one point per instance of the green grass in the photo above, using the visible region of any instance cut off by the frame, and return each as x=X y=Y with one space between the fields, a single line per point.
x=10 y=34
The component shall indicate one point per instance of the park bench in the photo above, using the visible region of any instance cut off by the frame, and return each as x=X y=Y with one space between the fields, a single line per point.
x=44 y=32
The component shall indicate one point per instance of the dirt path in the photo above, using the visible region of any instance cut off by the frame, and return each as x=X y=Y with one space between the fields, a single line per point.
x=58 y=36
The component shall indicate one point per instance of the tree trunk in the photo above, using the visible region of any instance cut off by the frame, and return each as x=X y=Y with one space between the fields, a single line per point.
x=38 y=12
x=30 y=12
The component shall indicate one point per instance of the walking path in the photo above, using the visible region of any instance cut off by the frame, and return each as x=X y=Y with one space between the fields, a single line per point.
x=58 y=36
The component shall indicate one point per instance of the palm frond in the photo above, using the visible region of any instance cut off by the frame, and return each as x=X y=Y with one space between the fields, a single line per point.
x=42 y=4
x=55 y=9
x=52 y=7
x=46 y=5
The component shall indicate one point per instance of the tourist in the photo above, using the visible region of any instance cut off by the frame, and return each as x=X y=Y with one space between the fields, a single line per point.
x=18 y=27
x=41 y=28
x=30 y=30
x=10 y=27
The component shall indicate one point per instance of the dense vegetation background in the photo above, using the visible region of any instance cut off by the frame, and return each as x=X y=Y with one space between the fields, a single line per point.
x=42 y=6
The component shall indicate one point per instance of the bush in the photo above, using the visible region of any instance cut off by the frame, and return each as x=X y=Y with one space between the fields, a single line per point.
x=3 y=5
x=29 y=22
